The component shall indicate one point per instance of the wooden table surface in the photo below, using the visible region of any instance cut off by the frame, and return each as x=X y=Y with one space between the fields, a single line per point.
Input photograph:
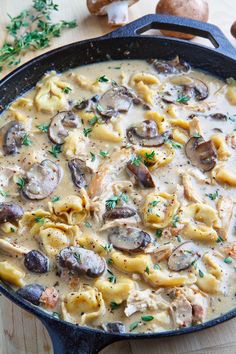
x=22 y=333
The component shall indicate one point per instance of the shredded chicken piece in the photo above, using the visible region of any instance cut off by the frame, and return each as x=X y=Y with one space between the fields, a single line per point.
x=196 y=173
x=163 y=252
x=121 y=222
x=231 y=250
x=49 y=297
x=199 y=303
x=181 y=311
x=141 y=300
x=225 y=210
x=189 y=192
x=12 y=249
x=231 y=140
x=194 y=127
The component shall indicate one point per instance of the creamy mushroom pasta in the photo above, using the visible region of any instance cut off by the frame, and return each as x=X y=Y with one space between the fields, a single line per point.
x=117 y=195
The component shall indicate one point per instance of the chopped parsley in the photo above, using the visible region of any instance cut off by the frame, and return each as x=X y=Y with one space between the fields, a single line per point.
x=156 y=266
x=93 y=157
x=87 y=131
x=197 y=135
x=179 y=238
x=219 y=239
x=112 y=277
x=136 y=160
x=12 y=229
x=213 y=196
x=110 y=261
x=183 y=99
x=67 y=90
x=55 y=150
x=26 y=140
x=93 y=121
x=112 y=202
x=103 y=79
x=150 y=156
x=114 y=305
x=108 y=247
x=158 y=233
x=147 y=270
x=133 y=325
x=20 y=183
x=201 y=274
x=152 y=205
x=87 y=224
x=228 y=260
x=147 y=318
x=4 y=194
x=43 y=127
x=175 y=220
x=55 y=199
x=39 y=219
x=174 y=144
x=77 y=257
x=104 y=153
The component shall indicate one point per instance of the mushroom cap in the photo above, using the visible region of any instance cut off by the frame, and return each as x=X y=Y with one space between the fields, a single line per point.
x=96 y=6
x=194 y=9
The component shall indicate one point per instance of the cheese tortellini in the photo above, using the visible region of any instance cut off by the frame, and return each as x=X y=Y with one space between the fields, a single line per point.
x=85 y=307
x=11 y=274
x=159 y=209
x=117 y=292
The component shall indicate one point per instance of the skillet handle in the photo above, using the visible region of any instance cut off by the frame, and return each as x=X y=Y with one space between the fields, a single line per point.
x=68 y=339
x=181 y=24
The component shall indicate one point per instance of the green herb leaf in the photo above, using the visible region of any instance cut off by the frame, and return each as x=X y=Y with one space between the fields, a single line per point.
x=87 y=131
x=156 y=266
x=12 y=229
x=174 y=144
x=26 y=140
x=43 y=127
x=108 y=247
x=67 y=90
x=112 y=202
x=175 y=220
x=93 y=121
x=55 y=199
x=179 y=238
x=87 y=224
x=136 y=160
x=114 y=305
x=183 y=99
x=20 y=183
x=201 y=274
x=133 y=326
x=77 y=257
x=147 y=318
x=219 y=239
x=110 y=261
x=4 y=194
x=150 y=156
x=55 y=150
x=147 y=270
x=104 y=153
x=112 y=277
x=93 y=157
x=228 y=260
x=103 y=79
x=213 y=196
x=158 y=233
x=39 y=219
x=197 y=135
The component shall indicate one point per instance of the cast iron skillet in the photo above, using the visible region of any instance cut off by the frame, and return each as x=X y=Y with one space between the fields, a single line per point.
x=124 y=43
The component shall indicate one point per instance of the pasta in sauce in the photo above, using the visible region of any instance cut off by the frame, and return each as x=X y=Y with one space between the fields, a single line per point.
x=117 y=195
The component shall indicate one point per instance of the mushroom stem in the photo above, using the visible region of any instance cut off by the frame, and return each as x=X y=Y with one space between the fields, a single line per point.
x=117 y=12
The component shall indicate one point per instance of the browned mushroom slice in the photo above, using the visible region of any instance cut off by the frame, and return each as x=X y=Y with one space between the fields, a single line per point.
x=60 y=123
x=117 y=99
x=183 y=256
x=80 y=173
x=174 y=66
x=119 y=213
x=202 y=154
x=140 y=175
x=197 y=89
x=10 y=212
x=80 y=261
x=146 y=134
x=129 y=239
x=13 y=134
x=41 y=180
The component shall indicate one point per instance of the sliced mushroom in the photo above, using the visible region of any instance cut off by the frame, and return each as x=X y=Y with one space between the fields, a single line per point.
x=80 y=261
x=80 y=173
x=89 y=105
x=174 y=66
x=119 y=213
x=201 y=153
x=36 y=262
x=13 y=134
x=146 y=134
x=60 y=123
x=115 y=100
x=10 y=212
x=129 y=239
x=218 y=116
x=183 y=256
x=31 y=293
x=197 y=89
x=41 y=180
x=115 y=327
x=140 y=174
